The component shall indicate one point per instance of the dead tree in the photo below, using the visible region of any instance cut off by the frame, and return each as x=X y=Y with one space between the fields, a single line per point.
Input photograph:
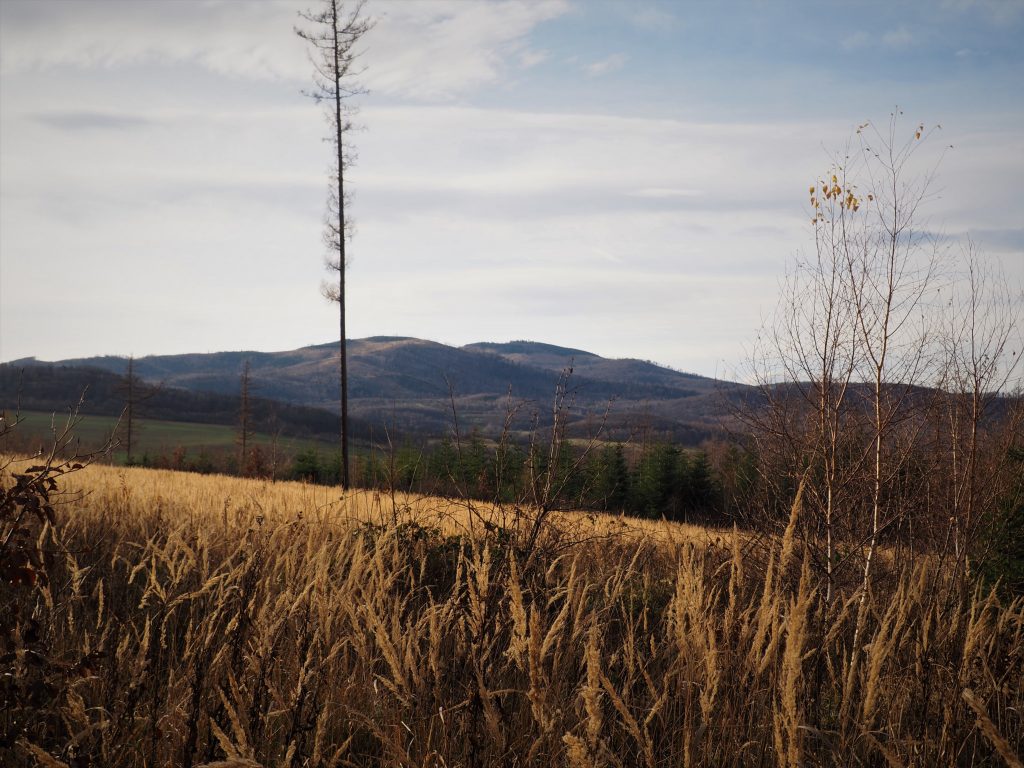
x=136 y=392
x=244 y=421
x=334 y=32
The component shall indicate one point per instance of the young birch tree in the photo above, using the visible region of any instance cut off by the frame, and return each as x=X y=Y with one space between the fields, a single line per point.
x=981 y=359
x=332 y=36
x=841 y=369
x=818 y=348
x=808 y=427
x=893 y=272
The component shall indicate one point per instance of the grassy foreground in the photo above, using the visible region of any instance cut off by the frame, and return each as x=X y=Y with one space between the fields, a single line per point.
x=227 y=622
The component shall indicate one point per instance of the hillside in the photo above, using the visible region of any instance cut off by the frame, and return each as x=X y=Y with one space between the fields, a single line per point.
x=642 y=375
x=408 y=385
x=56 y=388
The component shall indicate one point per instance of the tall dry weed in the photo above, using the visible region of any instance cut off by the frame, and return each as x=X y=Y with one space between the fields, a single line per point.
x=266 y=632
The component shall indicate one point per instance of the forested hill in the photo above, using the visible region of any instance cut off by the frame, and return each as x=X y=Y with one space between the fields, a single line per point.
x=409 y=384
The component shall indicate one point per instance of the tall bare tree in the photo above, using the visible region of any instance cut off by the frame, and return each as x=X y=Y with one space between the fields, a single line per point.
x=244 y=420
x=334 y=32
x=893 y=272
x=130 y=387
x=816 y=345
x=135 y=392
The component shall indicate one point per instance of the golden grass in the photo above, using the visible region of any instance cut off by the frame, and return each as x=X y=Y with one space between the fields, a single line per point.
x=123 y=490
x=223 y=622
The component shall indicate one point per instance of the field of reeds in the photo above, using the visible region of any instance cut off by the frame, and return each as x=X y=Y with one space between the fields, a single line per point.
x=179 y=620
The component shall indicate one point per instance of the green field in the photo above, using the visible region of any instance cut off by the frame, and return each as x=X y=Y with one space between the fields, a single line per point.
x=150 y=436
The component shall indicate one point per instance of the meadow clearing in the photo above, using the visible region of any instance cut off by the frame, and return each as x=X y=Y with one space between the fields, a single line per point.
x=154 y=437
x=194 y=620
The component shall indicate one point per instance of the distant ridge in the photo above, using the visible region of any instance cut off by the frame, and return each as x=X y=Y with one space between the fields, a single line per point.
x=522 y=347
x=409 y=383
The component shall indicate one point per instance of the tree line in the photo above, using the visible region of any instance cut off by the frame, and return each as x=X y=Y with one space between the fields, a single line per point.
x=659 y=480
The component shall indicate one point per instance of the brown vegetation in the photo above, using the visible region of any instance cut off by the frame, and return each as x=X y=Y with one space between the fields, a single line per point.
x=176 y=626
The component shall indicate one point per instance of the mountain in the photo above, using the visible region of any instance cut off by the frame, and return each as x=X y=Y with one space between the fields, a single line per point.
x=410 y=385
x=646 y=377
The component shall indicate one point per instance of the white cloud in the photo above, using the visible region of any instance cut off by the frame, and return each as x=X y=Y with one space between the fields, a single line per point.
x=498 y=216
x=995 y=11
x=89 y=120
x=898 y=38
x=649 y=17
x=491 y=152
x=856 y=40
x=608 y=64
x=530 y=58
x=420 y=50
x=665 y=193
x=171 y=205
x=439 y=50
x=621 y=234
x=240 y=39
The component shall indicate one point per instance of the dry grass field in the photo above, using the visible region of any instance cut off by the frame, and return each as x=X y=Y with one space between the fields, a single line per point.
x=242 y=500
x=192 y=620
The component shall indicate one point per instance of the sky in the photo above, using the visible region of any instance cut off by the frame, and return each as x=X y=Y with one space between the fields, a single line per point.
x=628 y=178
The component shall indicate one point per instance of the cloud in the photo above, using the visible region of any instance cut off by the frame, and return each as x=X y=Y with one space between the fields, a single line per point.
x=423 y=51
x=609 y=64
x=531 y=58
x=240 y=39
x=649 y=17
x=481 y=151
x=631 y=226
x=85 y=120
x=994 y=11
x=441 y=50
x=1009 y=240
x=664 y=193
x=856 y=40
x=898 y=39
